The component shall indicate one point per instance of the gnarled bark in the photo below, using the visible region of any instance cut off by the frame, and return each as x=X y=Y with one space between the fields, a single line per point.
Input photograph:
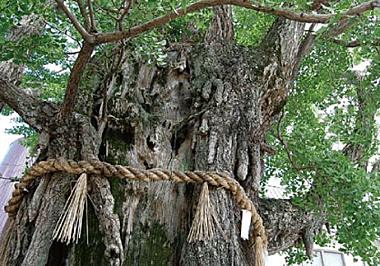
x=209 y=108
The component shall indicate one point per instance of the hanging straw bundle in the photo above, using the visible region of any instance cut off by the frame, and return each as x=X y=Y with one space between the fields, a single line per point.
x=69 y=225
x=260 y=251
x=203 y=226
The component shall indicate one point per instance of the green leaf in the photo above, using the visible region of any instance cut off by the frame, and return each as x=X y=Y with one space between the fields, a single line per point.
x=184 y=5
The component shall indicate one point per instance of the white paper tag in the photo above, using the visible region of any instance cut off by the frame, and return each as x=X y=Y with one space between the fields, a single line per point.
x=266 y=257
x=245 y=223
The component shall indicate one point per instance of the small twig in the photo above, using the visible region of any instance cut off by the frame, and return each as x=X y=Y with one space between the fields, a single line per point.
x=354 y=44
x=108 y=11
x=125 y=10
x=316 y=5
x=286 y=147
x=13 y=179
x=88 y=37
x=60 y=31
x=72 y=53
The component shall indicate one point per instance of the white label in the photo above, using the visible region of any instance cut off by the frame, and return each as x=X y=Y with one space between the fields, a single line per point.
x=245 y=223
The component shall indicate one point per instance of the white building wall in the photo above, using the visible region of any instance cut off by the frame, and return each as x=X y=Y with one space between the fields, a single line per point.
x=278 y=260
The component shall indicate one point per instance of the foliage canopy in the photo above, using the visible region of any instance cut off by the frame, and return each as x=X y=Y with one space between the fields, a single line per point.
x=327 y=133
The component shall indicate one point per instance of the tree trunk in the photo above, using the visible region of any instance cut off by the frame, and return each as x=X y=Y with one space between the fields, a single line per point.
x=208 y=108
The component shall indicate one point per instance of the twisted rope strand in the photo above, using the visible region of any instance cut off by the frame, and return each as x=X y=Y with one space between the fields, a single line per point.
x=108 y=170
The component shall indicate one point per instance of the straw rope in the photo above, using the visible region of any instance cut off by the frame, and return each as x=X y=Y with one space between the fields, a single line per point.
x=105 y=169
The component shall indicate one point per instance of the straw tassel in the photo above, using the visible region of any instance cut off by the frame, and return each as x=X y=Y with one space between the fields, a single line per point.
x=203 y=227
x=260 y=251
x=69 y=225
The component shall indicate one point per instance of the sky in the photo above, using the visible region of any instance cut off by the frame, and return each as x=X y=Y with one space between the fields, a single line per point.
x=6 y=139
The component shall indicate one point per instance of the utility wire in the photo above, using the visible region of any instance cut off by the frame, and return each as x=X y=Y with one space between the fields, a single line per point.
x=13 y=179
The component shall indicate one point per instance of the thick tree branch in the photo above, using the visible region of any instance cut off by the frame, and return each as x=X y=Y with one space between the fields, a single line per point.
x=339 y=28
x=92 y=16
x=286 y=224
x=36 y=113
x=296 y=16
x=221 y=27
x=75 y=79
x=308 y=42
x=179 y=12
x=88 y=37
x=83 y=12
x=304 y=49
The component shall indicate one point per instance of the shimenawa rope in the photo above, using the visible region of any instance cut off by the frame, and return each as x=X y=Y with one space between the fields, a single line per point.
x=105 y=169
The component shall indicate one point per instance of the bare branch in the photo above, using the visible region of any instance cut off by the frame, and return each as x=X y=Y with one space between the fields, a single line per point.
x=61 y=31
x=272 y=150
x=88 y=37
x=38 y=114
x=92 y=16
x=115 y=11
x=125 y=10
x=304 y=49
x=83 y=11
x=108 y=12
x=339 y=28
x=113 y=2
x=317 y=4
x=75 y=79
x=179 y=12
x=354 y=44
x=308 y=42
x=348 y=45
